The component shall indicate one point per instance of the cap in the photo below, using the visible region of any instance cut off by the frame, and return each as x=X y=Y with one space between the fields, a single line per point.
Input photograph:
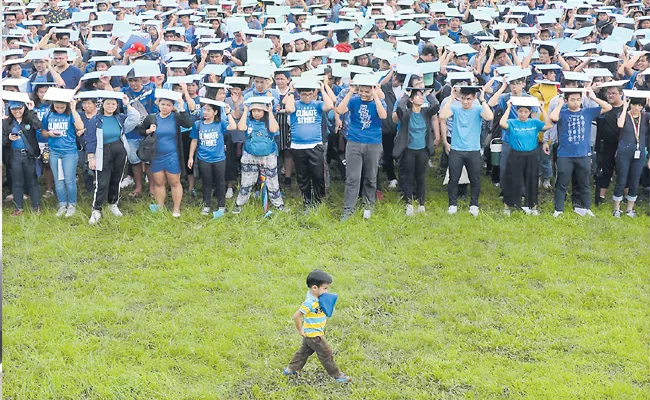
x=136 y=48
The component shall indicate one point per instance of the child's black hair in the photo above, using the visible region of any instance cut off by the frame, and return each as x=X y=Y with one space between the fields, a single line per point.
x=636 y=100
x=318 y=277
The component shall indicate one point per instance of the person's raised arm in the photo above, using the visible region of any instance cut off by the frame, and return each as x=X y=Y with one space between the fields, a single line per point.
x=488 y=64
x=494 y=100
x=565 y=66
x=503 y=123
x=289 y=100
x=242 y=126
x=78 y=122
x=604 y=106
x=232 y=124
x=381 y=110
x=547 y=120
x=273 y=123
x=327 y=100
x=555 y=115
x=621 y=118
x=486 y=113
x=529 y=56
x=342 y=108
x=446 y=111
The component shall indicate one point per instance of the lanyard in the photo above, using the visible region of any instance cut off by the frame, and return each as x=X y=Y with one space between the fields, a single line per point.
x=637 y=128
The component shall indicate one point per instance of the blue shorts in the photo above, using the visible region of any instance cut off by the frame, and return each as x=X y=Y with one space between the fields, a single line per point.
x=132 y=154
x=167 y=162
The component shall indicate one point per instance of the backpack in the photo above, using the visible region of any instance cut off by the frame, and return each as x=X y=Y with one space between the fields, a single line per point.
x=147 y=149
x=259 y=142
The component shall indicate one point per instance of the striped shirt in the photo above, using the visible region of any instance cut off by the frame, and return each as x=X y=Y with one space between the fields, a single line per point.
x=314 y=318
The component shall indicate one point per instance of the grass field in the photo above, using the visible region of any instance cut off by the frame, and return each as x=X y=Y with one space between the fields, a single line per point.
x=149 y=307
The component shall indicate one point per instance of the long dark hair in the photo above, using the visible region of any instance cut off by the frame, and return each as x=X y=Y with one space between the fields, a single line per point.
x=35 y=99
x=67 y=111
x=217 y=112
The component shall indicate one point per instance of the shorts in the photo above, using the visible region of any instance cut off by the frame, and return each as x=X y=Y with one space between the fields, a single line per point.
x=167 y=162
x=132 y=151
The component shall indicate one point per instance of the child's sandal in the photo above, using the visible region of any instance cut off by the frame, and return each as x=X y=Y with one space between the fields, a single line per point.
x=288 y=372
x=343 y=379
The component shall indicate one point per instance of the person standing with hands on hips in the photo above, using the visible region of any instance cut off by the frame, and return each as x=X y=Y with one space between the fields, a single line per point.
x=364 y=147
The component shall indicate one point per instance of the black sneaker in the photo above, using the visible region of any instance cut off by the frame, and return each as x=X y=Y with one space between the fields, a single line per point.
x=236 y=209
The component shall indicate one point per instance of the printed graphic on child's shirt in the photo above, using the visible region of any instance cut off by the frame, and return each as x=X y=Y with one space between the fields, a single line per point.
x=364 y=116
x=576 y=128
x=209 y=137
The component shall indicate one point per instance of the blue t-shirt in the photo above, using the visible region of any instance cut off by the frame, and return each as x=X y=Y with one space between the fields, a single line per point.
x=40 y=111
x=166 y=132
x=574 y=132
x=63 y=125
x=365 y=124
x=111 y=129
x=306 y=123
x=466 y=128
x=20 y=143
x=503 y=105
x=71 y=76
x=523 y=135
x=417 y=132
x=210 y=140
x=256 y=131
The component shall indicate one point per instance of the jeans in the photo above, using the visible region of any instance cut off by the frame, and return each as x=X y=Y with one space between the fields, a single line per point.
x=607 y=159
x=412 y=173
x=23 y=170
x=628 y=171
x=473 y=162
x=388 y=142
x=86 y=173
x=505 y=152
x=567 y=167
x=322 y=349
x=310 y=173
x=544 y=161
x=66 y=185
x=358 y=157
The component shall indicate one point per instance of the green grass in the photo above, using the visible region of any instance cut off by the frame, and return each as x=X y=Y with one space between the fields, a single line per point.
x=149 y=307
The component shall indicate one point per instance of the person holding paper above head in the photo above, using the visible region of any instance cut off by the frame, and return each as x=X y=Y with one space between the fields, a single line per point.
x=464 y=150
x=167 y=164
x=364 y=147
x=631 y=151
x=607 y=136
x=208 y=137
x=44 y=72
x=70 y=74
x=522 y=168
x=259 y=152
x=106 y=152
x=61 y=126
x=574 y=151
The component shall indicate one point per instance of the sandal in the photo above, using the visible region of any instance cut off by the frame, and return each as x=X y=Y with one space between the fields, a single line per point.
x=135 y=195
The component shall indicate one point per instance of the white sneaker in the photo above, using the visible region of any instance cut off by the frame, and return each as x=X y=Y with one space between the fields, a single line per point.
x=473 y=210
x=176 y=214
x=205 y=211
x=421 y=210
x=557 y=213
x=367 y=214
x=126 y=182
x=72 y=210
x=430 y=164
x=115 y=210
x=534 y=212
x=589 y=213
x=452 y=210
x=229 y=193
x=506 y=212
x=580 y=211
x=547 y=184
x=392 y=184
x=61 y=211
x=526 y=210
x=95 y=216
x=409 y=210
x=631 y=213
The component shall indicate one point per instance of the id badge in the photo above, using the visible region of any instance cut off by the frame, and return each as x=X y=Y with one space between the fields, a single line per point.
x=637 y=154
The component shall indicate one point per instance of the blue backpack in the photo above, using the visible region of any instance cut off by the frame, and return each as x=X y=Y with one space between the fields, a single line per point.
x=259 y=141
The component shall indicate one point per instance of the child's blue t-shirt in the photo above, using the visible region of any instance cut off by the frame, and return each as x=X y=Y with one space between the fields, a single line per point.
x=63 y=125
x=306 y=123
x=523 y=134
x=466 y=128
x=365 y=124
x=210 y=140
x=574 y=132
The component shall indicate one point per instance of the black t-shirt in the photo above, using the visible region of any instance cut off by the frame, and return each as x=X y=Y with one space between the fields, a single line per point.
x=607 y=129
x=628 y=134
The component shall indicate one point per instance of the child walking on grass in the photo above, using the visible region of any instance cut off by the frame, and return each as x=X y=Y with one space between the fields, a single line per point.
x=310 y=321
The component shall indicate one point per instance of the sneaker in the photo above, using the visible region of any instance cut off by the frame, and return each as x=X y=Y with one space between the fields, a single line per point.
x=557 y=213
x=421 y=210
x=534 y=212
x=631 y=214
x=95 y=216
x=48 y=194
x=409 y=210
x=126 y=182
x=229 y=193
x=506 y=212
x=580 y=211
x=61 y=211
x=590 y=213
x=547 y=184
x=343 y=379
x=205 y=211
x=526 y=210
x=219 y=213
x=392 y=184
x=72 y=210
x=288 y=372
x=115 y=210
x=473 y=210
x=617 y=213
x=283 y=208
x=367 y=214
x=154 y=208
x=194 y=193
x=430 y=164
x=236 y=209
x=17 y=213
x=346 y=215
x=176 y=214
x=452 y=210
x=9 y=198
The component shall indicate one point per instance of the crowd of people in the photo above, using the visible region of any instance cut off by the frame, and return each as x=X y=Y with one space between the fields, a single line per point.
x=226 y=95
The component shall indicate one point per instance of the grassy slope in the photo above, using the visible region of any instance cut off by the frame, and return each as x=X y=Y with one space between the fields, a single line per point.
x=431 y=307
